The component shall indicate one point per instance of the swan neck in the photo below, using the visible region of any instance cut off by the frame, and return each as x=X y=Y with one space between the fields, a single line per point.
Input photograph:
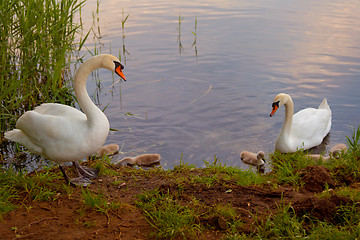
x=289 y=112
x=86 y=104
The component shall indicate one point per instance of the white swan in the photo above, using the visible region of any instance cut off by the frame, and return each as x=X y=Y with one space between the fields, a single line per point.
x=304 y=130
x=62 y=133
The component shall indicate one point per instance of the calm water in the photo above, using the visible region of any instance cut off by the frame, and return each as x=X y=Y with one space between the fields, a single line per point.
x=214 y=97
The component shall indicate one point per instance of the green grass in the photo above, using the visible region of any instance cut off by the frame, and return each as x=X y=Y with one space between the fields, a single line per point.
x=35 y=187
x=100 y=202
x=37 y=39
x=169 y=218
x=94 y=201
x=241 y=176
x=286 y=225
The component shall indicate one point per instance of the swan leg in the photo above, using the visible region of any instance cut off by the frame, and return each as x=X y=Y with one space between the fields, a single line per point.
x=64 y=174
x=79 y=181
x=84 y=171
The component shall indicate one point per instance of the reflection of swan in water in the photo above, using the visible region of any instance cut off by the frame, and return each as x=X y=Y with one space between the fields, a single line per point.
x=62 y=133
x=141 y=160
x=257 y=160
x=108 y=150
x=303 y=130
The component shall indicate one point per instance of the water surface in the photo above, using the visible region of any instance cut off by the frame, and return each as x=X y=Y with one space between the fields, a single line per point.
x=215 y=96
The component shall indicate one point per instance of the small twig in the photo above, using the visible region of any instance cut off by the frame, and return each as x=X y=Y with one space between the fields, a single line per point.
x=43 y=219
x=117 y=215
x=115 y=83
x=203 y=94
x=108 y=219
x=45 y=208
x=157 y=180
x=24 y=236
x=122 y=225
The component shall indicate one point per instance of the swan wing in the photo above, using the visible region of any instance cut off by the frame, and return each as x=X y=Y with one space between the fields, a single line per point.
x=42 y=127
x=56 y=109
x=44 y=131
x=310 y=126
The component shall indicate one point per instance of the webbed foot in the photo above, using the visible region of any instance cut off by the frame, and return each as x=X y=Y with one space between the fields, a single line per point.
x=86 y=172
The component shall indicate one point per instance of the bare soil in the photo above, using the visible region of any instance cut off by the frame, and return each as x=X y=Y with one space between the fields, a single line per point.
x=66 y=218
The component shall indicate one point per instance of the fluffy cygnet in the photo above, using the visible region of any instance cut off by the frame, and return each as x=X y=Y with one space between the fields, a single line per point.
x=257 y=160
x=253 y=158
x=141 y=160
x=108 y=150
x=335 y=152
x=338 y=149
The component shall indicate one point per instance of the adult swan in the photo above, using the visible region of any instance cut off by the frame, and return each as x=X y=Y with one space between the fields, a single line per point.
x=62 y=133
x=304 y=130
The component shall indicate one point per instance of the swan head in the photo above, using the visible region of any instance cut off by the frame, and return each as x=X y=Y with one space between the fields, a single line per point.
x=113 y=64
x=279 y=100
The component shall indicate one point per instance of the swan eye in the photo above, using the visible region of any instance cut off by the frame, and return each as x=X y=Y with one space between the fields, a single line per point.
x=275 y=104
x=117 y=64
x=275 y=107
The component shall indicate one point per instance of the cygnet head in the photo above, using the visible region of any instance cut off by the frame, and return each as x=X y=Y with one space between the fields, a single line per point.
x=261 y=157
x=336 y=150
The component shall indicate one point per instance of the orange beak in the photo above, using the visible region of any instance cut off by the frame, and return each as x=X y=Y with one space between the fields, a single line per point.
x=119 y=72
x=275 y=108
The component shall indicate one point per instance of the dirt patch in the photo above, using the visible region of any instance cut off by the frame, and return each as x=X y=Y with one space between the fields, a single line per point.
x=322 y=209
x=66 y=217
x=316 y=178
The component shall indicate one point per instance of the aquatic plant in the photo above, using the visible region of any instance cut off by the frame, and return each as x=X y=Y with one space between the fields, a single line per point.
x=181 y=48
x=195 y=37
x=36 y=41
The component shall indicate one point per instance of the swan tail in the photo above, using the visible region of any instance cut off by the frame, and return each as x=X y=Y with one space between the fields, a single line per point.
x=19 y=136
x=13 y=135
x=324 y=105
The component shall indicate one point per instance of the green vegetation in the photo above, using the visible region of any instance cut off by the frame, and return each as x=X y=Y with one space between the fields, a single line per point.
x=98 y=201
x=181 y=48
x=195 y=37
x=38 y=186
x=170 y=218
x=283 y=225
x=189 y=202
x=37 y=39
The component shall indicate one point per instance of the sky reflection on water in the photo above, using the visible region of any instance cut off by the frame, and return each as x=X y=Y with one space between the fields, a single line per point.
x=216 y=98
x=247 y=52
